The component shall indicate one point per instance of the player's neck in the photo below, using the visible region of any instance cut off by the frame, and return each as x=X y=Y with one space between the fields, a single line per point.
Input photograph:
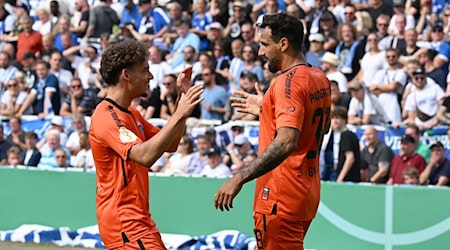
x=292 y=61
x=119 y=97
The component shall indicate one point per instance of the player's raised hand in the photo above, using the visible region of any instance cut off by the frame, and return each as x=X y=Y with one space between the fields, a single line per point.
x=190 y=100
x=184 y=80
x=247 y=103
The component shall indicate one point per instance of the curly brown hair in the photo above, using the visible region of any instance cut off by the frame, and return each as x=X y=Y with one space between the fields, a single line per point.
x=121 y=56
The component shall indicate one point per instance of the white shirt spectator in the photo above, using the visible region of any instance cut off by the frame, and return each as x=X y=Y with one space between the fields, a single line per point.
x=340 y=79
x=426 y=100
x=221 y=171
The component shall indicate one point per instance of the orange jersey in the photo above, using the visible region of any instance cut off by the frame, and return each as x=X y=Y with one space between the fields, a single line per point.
x=298 y=98
x=122 y=185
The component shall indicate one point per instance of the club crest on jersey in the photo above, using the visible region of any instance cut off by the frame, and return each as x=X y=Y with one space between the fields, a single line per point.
x=126 y=135
x=265 y=193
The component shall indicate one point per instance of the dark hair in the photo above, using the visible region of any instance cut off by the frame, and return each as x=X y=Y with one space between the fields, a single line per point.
x=339 y=112
x=31 y=134
x=119 y=57
x=415 y=128
x=17 y=118
x=283 y=25
x=45 y=63
x=247 y=74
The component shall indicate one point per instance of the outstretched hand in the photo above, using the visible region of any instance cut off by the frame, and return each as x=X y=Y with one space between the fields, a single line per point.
x=184 y=80
x=248 y=103
x=190 y=100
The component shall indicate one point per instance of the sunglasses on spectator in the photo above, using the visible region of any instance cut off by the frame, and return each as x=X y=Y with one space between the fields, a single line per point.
x=76 y=86
x=419 y=77
x=12 y=85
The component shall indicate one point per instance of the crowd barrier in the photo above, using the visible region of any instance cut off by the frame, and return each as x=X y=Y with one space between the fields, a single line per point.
x=351 y=216
x=388 y=134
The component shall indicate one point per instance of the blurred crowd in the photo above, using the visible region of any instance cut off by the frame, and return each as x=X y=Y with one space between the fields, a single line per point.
x=388 y=63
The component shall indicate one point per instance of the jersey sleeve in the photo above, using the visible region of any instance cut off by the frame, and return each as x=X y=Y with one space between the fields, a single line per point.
x=290 y=97
x=112 y=132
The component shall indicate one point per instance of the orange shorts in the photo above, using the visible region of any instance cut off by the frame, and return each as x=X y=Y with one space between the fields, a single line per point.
x=275 y=233
x=150 y=241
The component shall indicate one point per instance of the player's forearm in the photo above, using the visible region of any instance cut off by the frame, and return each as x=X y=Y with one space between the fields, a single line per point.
x=272 y=156
x=147 y=153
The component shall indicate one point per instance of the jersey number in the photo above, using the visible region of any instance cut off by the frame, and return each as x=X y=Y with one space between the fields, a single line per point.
x=321 y=128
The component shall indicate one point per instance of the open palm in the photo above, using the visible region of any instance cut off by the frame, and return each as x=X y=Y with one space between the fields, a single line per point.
x=247 y=103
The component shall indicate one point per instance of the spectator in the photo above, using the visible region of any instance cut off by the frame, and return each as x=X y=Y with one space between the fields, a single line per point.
x=64 y=76
x=372 y=61
x=222 y=60
x=199 y=157
x=4 y=146
x=78 y=126
x=237 y=151
x=7 y=71
x=249 y=35
x=48 y=159
x=342 y=154
x=17 y=135
x=378 y=156
x=57 y=123
x=215 y=167
x=178 y=163
x=153 y=23
x=48 y=46
x=405 y=159
x=31 y=155
x=339 y=99
x=443 y=113
x=44 y=24
x=399 y=9
x=169 y=96
x=61 y=158
x=349 y=51
x=64 y=39
x=236 y=64
x=215 y=34
x=423 y=102
x=12 y=99
x=364 y=108
x=388 y=84
x=410 y=176
x=411 y=51
x=13 y=156
x=184 y=38
x=316 y=49
x=247 y=83
x=437 y=74
x=78 y=100
x=161 y=68
x=216 y=97
x=45 y=92
x=437 y=172
x=329 y=67
x=189 y=58
x=84 y=158
x=378 y=7
x=80 y=28
x=233 y=28
x=176 y=16
x=384 y=39
x=269 y=77
x=420 y=147
x=87 y=66
x=327 y=28
x=102 y=18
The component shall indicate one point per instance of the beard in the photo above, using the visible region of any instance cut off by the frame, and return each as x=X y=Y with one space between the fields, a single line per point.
x=273 y=64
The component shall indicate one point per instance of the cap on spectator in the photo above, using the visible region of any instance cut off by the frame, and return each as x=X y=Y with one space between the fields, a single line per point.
x=437 y=144
x=437 y=26
x=419 y=71
x=317 y=37
x=23 y=5
x=239 y=4
x=235 y=124
x=57 y=120
x=330 y=58
x=28 y=55
x=327 y=16
x=210 y=131
x=214 y=151
x=407 y=139
x=399 y=2
x=240 y=139
x=144 y=2
x=354 y=86
x=215 y=25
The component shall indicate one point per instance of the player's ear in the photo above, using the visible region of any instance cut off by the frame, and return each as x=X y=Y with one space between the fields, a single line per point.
x=125 y=75
x=284 y=44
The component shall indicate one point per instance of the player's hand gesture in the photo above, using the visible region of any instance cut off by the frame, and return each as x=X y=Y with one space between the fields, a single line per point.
x=224 y=197
x=248 y=103
x=184 y=80
x=190 y=100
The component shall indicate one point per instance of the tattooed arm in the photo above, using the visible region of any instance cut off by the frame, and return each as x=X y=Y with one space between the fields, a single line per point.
x=281 y=147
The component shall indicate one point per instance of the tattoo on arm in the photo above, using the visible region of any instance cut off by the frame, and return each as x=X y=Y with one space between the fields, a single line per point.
x=272 y=156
